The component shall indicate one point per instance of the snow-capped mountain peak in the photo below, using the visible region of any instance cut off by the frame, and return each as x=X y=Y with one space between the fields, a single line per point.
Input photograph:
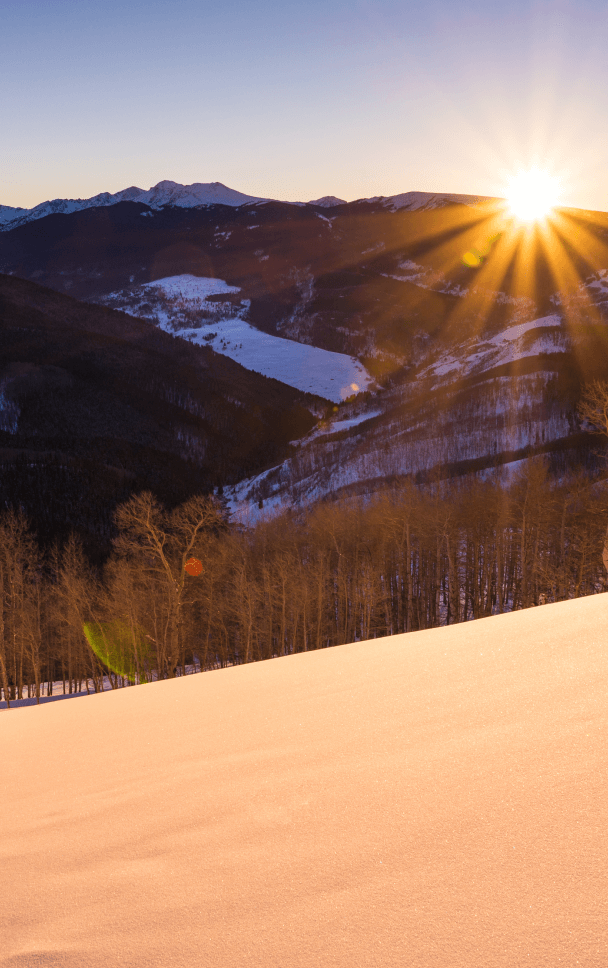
x=164 y=193
x=188 y=196
x=8 y=214
x=168 y=192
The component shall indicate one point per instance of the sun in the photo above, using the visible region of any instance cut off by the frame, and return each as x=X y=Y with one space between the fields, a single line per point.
x=532 y=195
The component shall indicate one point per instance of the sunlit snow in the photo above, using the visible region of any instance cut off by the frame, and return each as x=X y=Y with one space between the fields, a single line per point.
x=431 y=799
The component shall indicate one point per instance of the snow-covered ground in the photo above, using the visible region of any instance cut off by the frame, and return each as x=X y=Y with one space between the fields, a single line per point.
x=432 y=799
x=512 y=344
x=337 y=425
x=183 y=309
x=507 y=414
x=414 y=201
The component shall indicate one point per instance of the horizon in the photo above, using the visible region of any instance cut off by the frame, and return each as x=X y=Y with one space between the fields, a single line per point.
x=162 y=181
x=355 y=99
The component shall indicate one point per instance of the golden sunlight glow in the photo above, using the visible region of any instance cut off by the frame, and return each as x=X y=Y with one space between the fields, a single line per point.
x=532 y=195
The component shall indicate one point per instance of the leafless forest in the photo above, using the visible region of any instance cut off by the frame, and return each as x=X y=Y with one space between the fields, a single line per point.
x=406 y=559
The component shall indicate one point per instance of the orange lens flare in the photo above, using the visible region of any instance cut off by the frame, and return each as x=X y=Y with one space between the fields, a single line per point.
x=194 y=567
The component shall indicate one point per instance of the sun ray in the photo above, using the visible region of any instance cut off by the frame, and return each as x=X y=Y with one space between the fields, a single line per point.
x=493 y=260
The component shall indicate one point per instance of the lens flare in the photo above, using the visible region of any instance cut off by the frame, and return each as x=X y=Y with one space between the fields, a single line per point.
x=532 y=194
x=194 y=567
x=124 y=650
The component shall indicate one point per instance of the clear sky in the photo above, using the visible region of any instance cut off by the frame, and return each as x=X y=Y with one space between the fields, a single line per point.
x=295 y=99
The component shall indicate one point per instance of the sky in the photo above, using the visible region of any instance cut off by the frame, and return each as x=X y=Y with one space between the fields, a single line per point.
x=295 y=99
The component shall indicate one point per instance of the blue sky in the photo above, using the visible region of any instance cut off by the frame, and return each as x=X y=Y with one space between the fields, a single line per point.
x=300 y=99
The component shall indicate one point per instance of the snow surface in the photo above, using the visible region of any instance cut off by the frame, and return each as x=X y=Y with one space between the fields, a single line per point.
x=337 y=425
x=431 y=799
x=334 y=376
x=188 y=287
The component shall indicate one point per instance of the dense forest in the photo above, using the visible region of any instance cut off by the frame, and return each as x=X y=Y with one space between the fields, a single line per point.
x=355 y=569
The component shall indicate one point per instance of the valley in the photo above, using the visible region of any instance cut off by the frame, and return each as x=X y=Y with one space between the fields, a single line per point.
x=429 y=347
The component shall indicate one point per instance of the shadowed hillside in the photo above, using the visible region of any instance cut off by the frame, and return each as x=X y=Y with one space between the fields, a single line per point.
x=95 y=404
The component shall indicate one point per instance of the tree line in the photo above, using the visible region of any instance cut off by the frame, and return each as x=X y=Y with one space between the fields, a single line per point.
x=186 y=589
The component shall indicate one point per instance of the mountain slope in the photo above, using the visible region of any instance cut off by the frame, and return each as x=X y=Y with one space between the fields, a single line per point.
x=424 y=298
x=435 y=798
x=95 y=404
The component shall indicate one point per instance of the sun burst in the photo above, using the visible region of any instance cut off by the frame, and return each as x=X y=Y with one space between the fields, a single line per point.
x=532 y=195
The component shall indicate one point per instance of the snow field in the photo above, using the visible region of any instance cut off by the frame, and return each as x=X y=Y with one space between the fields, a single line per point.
x=333 y=376
x=431 y=799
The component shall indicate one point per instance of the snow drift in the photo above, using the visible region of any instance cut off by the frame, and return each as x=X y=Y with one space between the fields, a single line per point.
x=435 y=799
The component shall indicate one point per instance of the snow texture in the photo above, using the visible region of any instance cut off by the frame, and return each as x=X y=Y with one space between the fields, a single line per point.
x=508 y=346
x=431 y=799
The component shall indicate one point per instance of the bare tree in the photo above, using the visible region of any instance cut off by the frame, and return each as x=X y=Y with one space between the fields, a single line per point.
x=158 y=544
x=593 y=409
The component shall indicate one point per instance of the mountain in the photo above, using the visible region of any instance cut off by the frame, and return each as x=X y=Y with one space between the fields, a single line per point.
x=328 y=201
x=474 y=337
x=96 y=404
x=165 y=193
x=210 y=193
x=425 y=201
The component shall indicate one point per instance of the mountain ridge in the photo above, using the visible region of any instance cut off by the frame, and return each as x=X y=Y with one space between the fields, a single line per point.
x=168 y=192
x=424 y=297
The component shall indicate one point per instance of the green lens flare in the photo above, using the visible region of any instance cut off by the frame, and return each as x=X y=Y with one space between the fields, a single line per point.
x=121 y=648
x=472 y=259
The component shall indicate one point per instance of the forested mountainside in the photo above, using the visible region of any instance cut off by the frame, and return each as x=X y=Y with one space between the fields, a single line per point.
x=408 y=558
x=356 y=278
x=96 y=405
x=480 y=342
x=480 y=334
x=484 y=404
